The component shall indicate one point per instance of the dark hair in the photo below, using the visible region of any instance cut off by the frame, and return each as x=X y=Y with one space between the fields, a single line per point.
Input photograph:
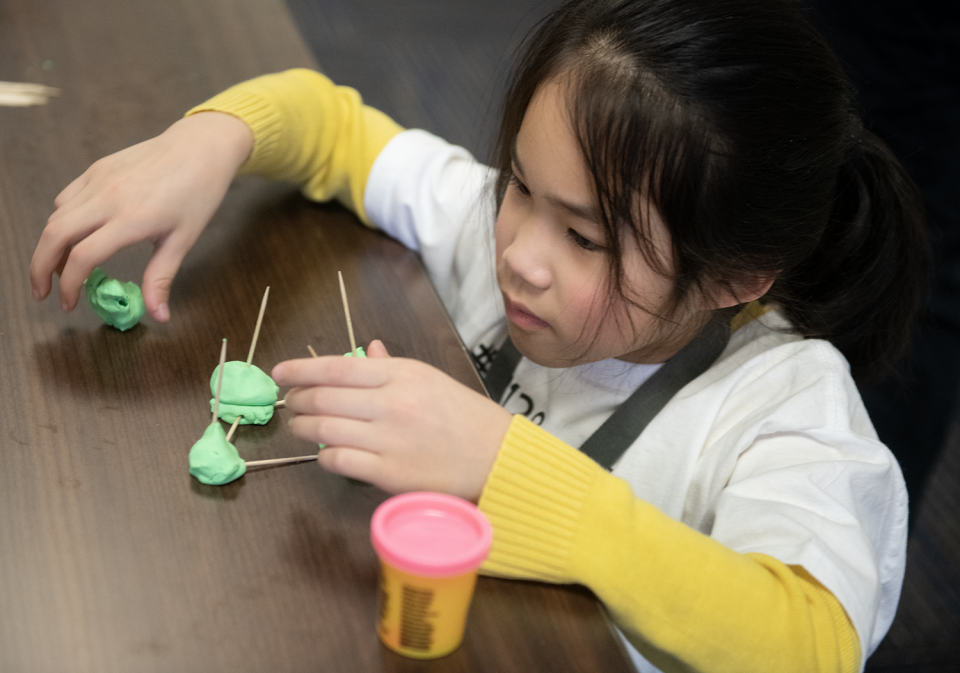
x=737 y=122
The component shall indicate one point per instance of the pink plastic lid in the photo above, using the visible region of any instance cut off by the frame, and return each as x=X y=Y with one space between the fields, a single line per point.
x=430 y=534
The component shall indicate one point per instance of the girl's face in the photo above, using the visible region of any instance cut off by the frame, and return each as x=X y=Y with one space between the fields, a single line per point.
x=552 y=267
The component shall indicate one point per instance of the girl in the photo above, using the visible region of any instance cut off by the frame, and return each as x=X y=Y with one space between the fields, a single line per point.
x=662 y=166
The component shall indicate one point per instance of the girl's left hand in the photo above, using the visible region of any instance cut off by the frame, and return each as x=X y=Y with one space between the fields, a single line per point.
x=399 y=424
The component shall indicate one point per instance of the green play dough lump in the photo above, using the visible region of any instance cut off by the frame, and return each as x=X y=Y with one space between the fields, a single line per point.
x=118 y=304
x=246 y=391
x=214 y=460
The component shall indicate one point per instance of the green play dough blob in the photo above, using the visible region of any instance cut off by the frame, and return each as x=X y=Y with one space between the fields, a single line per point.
x=250 y=415
x=214 y=460
x=118 y=304
x=246 y=391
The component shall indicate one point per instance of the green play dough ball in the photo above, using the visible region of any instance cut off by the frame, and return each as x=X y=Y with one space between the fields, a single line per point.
x=249 y=415
x=246 y=391
x=118 y=304
x=214 y=460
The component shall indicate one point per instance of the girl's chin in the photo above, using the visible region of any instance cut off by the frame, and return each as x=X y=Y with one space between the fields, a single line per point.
x=531 y=345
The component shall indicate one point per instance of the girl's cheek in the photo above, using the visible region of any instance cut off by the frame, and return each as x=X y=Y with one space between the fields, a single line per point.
x=503 y=233
x=512 y=212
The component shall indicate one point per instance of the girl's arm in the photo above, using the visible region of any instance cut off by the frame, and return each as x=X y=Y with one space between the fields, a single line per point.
x=308 y=131
x=684 y=600
x=293 y=126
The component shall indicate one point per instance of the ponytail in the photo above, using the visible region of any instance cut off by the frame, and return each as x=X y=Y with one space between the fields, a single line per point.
x=862 y=286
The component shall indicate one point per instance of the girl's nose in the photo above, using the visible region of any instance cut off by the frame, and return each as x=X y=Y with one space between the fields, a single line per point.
x=527 y=257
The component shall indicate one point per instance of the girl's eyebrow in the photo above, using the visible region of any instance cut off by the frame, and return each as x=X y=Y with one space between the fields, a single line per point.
x=589 y=213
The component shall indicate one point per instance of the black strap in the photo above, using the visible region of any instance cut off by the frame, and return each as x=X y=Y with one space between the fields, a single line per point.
x=501 y=370
x=621 y=429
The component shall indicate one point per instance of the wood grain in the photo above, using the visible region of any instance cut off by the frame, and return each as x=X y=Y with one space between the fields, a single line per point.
x=112 y=559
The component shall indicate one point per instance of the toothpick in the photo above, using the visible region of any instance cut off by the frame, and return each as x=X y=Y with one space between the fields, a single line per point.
x=346 y=312
x=216 y=399
x=280 y=461
x=312 y=352
x=280 y=403
x=22 y=94
x=256 y=331
x=233 y=427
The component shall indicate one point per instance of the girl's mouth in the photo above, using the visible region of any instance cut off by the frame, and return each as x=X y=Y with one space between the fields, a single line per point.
x=522 y=317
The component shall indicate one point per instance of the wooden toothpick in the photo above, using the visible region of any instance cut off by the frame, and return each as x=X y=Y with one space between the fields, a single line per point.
x=280 y=403
x=280 y=461
x=233 y=427
x=216 y=398
x=346 y=312
x=22 y=94
x=256 y=331
x=312 y=352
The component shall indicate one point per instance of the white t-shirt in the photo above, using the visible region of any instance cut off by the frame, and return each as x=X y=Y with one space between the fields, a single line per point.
x=769 y=451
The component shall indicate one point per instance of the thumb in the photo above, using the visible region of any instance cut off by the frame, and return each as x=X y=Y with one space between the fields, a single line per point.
x=376 y=349
x=158 y=277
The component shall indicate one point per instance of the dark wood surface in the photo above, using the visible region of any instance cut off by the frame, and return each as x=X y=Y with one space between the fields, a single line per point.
x=112 y=558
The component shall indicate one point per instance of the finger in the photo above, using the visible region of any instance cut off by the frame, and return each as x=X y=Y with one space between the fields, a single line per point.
x=54 y=246
x=63 y=261
x=332 y=370
x=67 y=226
x=71 y=190
x=352 y=403
x=352 y=463
x=332 y=430
x=85 y=256
x=158 y=277
x=376 y=349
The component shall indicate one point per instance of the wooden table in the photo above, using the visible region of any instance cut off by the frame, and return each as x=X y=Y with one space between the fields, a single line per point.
x=112 y=558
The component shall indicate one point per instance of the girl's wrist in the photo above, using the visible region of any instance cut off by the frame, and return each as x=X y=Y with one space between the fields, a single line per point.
x=225 y=136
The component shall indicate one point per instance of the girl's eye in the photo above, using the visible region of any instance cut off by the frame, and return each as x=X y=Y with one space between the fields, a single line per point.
x=515 y=182
x=583 y=242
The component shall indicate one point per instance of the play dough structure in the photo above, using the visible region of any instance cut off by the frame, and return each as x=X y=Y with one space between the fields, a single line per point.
x=214 y=460
x=247 y=392
x=118 y=304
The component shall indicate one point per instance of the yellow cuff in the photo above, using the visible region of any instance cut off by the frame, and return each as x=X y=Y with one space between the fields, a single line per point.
x=533 y=498
x=310 y=132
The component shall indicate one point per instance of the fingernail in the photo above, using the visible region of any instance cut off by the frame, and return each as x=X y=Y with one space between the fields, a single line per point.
x=163 y=313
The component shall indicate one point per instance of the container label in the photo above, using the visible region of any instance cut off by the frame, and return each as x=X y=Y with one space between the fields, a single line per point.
x=415 y=631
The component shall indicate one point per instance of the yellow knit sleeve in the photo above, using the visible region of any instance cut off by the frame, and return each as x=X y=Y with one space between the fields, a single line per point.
x=310 y=132
x=685 y=601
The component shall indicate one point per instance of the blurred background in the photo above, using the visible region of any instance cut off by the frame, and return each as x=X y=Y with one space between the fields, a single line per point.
x=441 y=65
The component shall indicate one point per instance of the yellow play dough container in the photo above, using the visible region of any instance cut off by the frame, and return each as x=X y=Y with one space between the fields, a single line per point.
x=430 y=546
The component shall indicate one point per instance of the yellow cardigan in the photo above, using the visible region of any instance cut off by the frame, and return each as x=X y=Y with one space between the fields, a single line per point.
x=687 y=602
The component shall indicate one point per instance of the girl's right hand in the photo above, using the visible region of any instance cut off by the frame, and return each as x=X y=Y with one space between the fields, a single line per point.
x=164 y=190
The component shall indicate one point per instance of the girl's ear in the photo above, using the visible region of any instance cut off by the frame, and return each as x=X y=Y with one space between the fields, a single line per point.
x=741 y=292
